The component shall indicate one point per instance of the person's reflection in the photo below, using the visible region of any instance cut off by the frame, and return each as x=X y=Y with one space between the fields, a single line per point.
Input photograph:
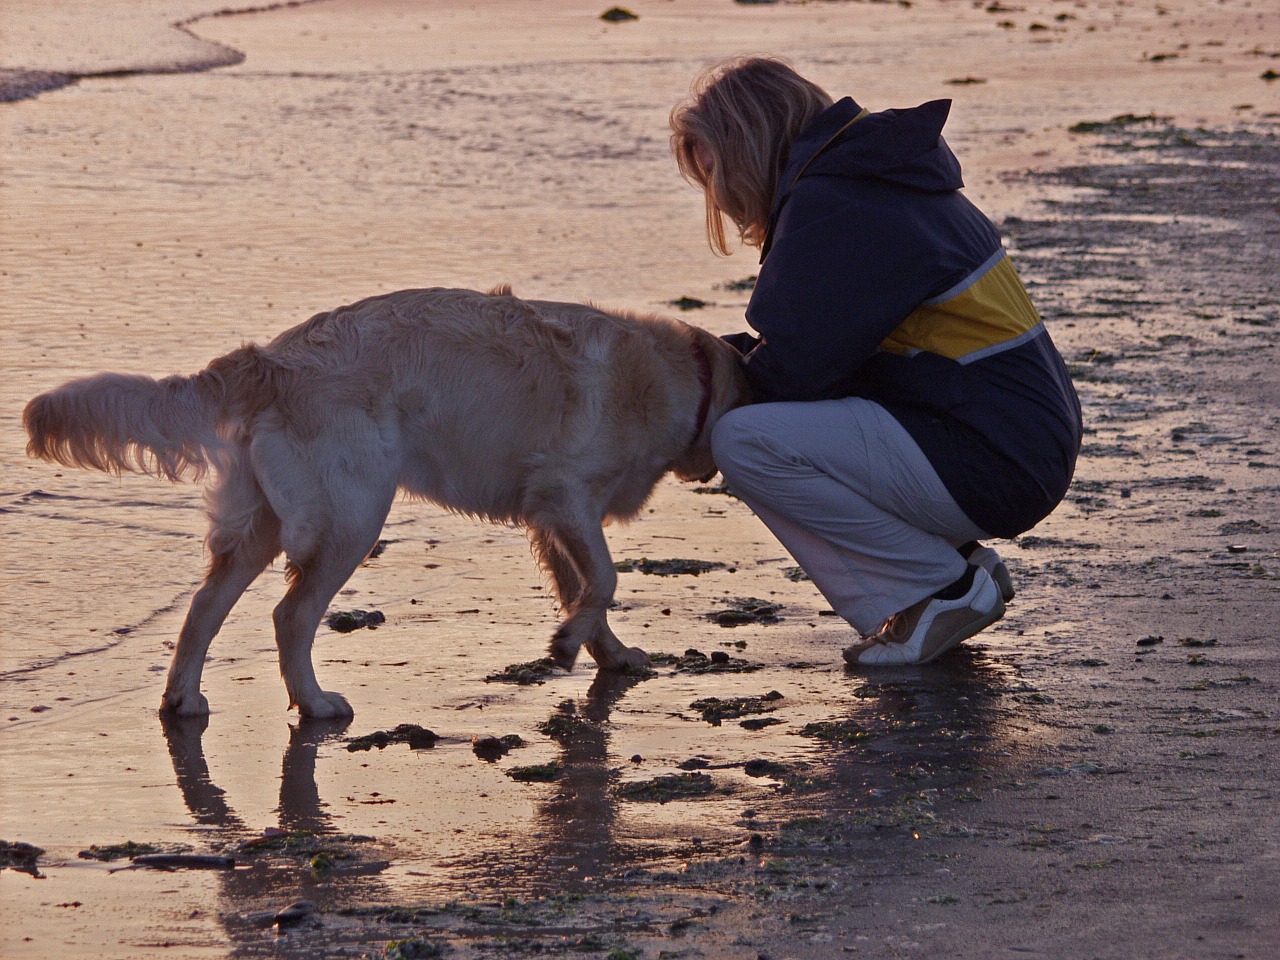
x=944 y=725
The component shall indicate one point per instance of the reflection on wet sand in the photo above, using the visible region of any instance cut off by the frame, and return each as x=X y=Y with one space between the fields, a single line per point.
x=945 y=726
x=572 y=843
x=579 y=845
x=892 y=751
x=899 y=740
x=305 y=861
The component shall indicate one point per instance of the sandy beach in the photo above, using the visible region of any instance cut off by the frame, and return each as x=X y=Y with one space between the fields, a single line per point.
x=1093 y=777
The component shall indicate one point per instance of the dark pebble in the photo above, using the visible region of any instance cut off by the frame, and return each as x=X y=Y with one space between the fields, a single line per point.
x=294 y=914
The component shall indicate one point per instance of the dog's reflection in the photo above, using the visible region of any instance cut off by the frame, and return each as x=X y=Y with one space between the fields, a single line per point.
x=577 y=824
x=300 y=807
x=573 y=830
x=262 y=885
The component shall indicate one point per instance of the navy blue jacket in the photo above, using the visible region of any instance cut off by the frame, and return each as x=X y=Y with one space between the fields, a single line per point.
x=879 y=279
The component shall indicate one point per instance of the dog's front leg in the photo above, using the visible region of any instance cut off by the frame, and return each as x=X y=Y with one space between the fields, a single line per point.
x=610 y=653
x=564 y=576
x=582 y=542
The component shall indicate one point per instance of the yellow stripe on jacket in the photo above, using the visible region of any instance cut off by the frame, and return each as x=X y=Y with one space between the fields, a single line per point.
x=986 y=309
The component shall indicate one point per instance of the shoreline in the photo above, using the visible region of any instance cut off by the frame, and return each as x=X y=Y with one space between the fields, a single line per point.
x=28 y=82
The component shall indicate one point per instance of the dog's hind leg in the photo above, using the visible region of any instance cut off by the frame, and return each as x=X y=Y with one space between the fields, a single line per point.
x=313 y=585
x=236 y=563
x=332 y=494
x=342 y=540
x=581 y=541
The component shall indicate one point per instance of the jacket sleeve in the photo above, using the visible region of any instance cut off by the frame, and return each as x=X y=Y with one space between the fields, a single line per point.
x=843 y=272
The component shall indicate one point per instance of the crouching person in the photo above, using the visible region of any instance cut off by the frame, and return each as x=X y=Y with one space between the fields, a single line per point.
x=912 y=402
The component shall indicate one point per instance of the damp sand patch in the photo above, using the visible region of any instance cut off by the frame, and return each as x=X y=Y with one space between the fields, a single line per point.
x=319 y=854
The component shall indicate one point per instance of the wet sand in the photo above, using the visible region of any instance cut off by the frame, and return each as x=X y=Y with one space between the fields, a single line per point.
x=1095 y=777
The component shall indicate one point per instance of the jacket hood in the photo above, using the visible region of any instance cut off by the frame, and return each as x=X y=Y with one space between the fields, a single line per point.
x=902 y=147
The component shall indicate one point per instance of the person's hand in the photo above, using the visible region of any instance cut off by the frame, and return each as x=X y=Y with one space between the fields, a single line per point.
x=744 y=343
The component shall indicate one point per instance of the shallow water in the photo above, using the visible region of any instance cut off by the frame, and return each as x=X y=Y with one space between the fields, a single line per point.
x=151 y=222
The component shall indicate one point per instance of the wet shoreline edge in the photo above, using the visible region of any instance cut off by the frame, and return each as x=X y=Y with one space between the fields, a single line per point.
x=18 y=84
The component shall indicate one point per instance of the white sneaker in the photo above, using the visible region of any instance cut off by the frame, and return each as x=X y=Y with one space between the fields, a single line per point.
x=990 y=561
x=926 y=630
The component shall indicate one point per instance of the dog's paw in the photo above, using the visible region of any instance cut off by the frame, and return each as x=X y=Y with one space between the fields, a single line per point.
x=625 y=658
x=176 y=704
x=564 y=651
x=326 y=706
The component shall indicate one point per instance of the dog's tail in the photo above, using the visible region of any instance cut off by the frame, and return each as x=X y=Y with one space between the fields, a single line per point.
x=172 y=428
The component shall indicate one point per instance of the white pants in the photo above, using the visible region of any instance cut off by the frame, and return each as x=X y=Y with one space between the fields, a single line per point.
x=852 y=498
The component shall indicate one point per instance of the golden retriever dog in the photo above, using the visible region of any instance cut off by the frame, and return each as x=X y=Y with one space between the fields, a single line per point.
x=557 y=416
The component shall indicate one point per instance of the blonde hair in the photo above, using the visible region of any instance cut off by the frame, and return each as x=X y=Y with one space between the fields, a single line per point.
x=743 y=114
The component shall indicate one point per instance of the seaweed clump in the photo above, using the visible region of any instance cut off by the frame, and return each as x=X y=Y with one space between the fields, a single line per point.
x=536 y=773
x=117 y=851
x=667 y=568
x=668 y=787
x=418 y=738
x=20 y=856
x=744 y=610
x=836 y=731
x=715 y=710
x=524 y=674
x=697 y=662
x=349 y=620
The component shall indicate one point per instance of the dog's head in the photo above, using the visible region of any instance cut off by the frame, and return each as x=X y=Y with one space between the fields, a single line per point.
x=726 y=388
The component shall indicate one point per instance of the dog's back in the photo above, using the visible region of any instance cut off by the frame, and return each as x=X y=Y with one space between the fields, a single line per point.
x=485 y=394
